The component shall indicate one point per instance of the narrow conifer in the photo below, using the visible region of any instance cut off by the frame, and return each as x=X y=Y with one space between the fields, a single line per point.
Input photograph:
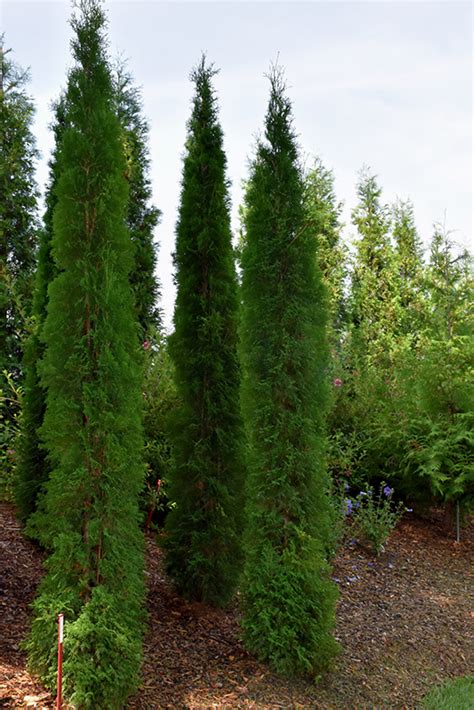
x=32 y=470
x=91 y=371
x=203 y=543
x=18 y=212
x=288 y=597
x=408 y=266
x=142 y=216
x=370 y=302
x=323 y=214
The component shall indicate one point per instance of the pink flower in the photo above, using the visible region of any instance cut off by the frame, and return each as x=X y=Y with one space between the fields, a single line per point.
x=146 y=345
x=337 y=382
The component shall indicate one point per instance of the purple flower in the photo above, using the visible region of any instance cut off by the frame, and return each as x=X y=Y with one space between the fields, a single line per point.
x=337 y=382
x=387 y=491
x=348 y=506
x=409 y=510
x=357 y=504
x=346 y=486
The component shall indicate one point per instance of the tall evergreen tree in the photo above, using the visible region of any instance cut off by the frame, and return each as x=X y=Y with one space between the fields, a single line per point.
x=372 y=314
x=288 y=597
x=91 y=370
x=142 y=217
x=323 y=214
x=371 y=286
x=32 y=470
x=203 y=542
x=435 y=429
x=409 y=271
x=18 y=206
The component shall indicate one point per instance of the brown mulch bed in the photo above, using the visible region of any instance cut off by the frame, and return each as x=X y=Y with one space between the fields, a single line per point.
x=404 y=623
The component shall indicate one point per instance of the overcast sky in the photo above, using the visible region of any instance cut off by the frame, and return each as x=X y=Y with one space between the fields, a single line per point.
x=388 y=84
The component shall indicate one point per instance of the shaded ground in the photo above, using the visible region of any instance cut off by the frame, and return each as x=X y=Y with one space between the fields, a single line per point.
x=404 y=622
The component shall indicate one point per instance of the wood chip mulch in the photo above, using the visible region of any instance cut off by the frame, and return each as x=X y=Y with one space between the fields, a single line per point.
x=404 y=621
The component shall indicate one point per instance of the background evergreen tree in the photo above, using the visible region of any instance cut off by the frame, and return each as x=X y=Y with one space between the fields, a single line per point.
x=371 y=286
x=203 y=542
x=409 y=271
x=92 y=373
x=32 y=470
x=18 y=218
x=438 y=385
x=142 y=217
x=288 y=597
x=323 y=214
x=18 y=227
x=366 y=352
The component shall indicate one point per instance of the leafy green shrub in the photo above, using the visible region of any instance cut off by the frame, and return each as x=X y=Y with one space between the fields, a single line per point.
x=346 y=456
x=160 y=400
x=10 y=418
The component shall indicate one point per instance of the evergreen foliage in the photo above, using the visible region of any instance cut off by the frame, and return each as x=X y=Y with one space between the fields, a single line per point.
x=32 y=470
x=288 y=597
x=203 y=541
x=371 y=285
x=434 y=433
x=159 y=391
x=18 y=218
x=142 y=217
x=92 y=373
x=323 y=215
x=408 y=291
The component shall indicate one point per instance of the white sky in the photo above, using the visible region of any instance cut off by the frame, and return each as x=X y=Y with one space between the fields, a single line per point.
x=388 y=84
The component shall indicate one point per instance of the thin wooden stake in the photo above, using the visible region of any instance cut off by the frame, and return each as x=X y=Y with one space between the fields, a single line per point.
x=59 y=694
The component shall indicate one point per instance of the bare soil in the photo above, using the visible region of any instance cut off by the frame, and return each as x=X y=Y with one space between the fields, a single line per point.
x=404 y=620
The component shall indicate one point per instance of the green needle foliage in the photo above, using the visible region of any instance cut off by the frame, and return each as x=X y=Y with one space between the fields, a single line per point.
x=323 y=215
x=288 y=597
x=142 y=217
x=437 y=385
x=92 y=373
x=33 y=470
x=203 y=543
x=408 y=291
x=18 y=218
x=371 y=290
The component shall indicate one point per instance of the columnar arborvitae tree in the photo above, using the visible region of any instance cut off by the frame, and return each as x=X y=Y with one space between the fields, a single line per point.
x=323 y=214
x=142 y=217
x=204 y=530
x=18 y=205
x=32 y=470
x=371 y=286
x=372 y=316
x=91 y=371
x=288 y=597
x=409 y=272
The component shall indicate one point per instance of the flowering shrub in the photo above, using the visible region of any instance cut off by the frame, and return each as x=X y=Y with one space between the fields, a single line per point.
x=375 y=516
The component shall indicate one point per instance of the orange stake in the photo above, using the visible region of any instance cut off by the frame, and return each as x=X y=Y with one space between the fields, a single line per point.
x=59 y=694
